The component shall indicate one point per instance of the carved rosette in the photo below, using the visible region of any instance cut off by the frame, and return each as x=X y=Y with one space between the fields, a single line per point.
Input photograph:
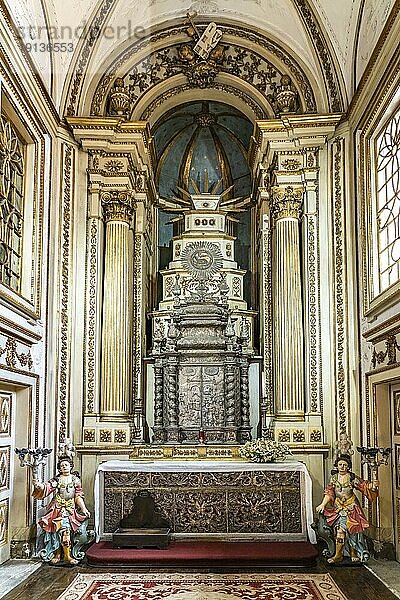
x=287 y=202
x=118 y=206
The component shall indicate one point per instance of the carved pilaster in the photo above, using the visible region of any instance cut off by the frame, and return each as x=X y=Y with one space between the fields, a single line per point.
x=64 y=350
x=312 y=283
x=94 y=277
x=230 y=386
x=138 y=336
x=287 y=303
x=266 y=404
x=245 y=434
x=172 y=392
x=158 y=396
x=115 y=388
x=342 y=390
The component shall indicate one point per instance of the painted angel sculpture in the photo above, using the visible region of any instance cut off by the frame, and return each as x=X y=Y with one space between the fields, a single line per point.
x=65 y=522
x=343 y=516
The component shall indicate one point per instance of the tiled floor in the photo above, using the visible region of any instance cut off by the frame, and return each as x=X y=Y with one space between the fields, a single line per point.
x=388 y=571
x=14 y=572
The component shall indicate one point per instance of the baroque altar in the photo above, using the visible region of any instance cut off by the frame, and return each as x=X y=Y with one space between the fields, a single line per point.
x=202 y=331
x=210 y=499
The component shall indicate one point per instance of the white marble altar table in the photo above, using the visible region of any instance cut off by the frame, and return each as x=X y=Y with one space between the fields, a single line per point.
x=195 y=489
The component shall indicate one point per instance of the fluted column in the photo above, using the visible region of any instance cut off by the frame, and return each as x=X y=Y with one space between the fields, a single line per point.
x=115 y=379
x=287 y=304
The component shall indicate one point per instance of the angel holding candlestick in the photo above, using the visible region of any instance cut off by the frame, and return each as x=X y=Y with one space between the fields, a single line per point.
x=65 y=522
x=342 y=510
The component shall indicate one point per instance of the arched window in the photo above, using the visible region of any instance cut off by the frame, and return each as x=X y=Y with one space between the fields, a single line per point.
x=388 y=201
x=11 y=204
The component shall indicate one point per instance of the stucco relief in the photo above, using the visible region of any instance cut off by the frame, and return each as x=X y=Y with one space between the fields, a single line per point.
x=14 y=354
x=386 y=352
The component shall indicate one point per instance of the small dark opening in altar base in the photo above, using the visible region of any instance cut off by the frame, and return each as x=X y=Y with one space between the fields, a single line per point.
x=141 y=538
x=143 y=527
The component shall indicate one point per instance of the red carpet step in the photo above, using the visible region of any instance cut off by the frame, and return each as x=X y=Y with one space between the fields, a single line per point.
x=207 y=554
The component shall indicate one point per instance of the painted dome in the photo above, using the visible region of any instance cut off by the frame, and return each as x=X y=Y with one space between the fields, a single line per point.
x=200 y=144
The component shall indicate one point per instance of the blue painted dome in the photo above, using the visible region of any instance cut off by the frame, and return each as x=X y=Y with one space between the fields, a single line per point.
x=200 y=137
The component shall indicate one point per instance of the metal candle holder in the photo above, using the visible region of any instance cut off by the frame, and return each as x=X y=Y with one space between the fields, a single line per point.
x=32 y=458
x=374 y=457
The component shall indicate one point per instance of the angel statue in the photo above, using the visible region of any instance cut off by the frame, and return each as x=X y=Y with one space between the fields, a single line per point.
x=66 y=519
x=342 y=522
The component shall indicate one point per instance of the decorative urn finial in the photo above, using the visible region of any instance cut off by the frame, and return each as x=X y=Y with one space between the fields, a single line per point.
x=119 y=99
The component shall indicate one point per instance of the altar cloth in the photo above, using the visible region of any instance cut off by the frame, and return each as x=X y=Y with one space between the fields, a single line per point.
x=204 y=466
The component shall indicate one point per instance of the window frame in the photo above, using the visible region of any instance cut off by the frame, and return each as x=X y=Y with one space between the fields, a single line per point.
x=377 y=116
x=28 y=299
x=377 y=280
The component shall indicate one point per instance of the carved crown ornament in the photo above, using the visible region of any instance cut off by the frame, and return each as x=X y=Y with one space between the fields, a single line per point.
x=200 y=58
x=286 y=202
x=201 y=71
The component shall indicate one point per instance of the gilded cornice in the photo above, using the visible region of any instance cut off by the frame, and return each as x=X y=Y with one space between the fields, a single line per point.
x=19 y=332
x=99 y=133
x=381 y=331
x=118 y=205
x=287 y=202
x=308 y=129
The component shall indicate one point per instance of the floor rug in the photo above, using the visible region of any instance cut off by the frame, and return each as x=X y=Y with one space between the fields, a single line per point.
x=202 y=586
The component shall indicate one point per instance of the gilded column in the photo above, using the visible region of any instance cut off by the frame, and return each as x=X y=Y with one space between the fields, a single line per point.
x=287 y=304
x=115 y=379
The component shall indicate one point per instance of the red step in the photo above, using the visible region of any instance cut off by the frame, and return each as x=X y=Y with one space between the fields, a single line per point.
x=206 y=554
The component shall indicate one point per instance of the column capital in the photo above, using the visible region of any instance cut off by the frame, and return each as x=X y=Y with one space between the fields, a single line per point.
x=286 y=202
x=118 y=205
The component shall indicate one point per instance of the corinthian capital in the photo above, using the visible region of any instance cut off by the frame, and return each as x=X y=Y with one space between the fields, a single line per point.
x=117 y=205
x=286 y=202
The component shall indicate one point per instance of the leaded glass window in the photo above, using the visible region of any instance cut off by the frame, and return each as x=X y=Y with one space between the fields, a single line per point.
x=388 y=202
x=11 y=203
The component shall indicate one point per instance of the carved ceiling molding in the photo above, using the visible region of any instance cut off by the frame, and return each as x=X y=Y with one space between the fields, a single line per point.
x=257 y=110
x=318 y=39
x=251 y=66
x=84 y=55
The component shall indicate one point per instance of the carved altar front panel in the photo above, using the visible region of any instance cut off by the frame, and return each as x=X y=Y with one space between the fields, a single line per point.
x=259 y=502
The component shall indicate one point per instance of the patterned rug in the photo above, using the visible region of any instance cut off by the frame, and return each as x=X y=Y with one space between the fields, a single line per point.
x=202 y=586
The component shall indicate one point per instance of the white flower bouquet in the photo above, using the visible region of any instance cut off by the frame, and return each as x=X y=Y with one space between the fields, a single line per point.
x=263 y=451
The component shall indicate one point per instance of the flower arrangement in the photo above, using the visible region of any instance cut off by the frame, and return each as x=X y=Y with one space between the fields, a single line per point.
x=263 y=451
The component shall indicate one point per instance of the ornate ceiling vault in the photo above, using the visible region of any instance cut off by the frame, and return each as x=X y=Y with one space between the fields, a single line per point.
x=242 y=55
x=164 y=59
x=331 y=42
